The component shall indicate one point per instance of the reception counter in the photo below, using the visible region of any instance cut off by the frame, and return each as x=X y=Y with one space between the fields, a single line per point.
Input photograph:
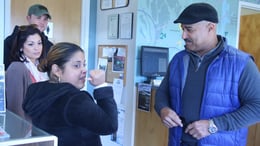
x=20 y=132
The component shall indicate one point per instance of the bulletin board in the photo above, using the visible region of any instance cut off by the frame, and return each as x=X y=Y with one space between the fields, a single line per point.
x=113 y=59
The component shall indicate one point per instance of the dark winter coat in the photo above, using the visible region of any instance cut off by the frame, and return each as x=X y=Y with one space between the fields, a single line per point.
x=70 y=114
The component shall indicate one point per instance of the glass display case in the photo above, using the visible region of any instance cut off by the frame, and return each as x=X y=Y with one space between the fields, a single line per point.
x=17 y=131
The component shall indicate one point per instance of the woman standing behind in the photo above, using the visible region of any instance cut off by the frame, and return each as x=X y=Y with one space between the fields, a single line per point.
x=26 y=53
x=59 y=107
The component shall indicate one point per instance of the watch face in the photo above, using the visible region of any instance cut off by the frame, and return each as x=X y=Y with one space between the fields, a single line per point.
x=213 y=129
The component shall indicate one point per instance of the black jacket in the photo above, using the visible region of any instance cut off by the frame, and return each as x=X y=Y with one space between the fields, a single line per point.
x=70 y=114
x=8 y=42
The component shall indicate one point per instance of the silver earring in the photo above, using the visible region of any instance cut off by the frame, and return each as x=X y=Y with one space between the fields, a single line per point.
x=58 y=79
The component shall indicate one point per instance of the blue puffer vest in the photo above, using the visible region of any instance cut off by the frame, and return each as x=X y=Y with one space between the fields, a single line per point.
x=220 y=94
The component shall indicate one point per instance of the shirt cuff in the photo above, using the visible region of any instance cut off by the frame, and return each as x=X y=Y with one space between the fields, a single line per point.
x=101 y=85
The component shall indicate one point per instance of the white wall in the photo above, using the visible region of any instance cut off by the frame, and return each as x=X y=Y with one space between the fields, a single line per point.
x=129 y=89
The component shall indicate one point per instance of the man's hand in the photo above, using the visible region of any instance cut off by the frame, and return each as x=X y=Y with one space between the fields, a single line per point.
x=198 y=129
x=169 y=118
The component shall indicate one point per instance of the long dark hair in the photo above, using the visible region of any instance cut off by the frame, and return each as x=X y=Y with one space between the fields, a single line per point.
x=23 y=33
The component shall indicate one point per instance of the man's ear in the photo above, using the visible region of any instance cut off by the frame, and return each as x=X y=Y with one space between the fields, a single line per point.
x=211 y=26
x=56 y=70
x=28 y=18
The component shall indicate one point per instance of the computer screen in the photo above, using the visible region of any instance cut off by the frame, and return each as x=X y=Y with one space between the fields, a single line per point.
x=154 y=61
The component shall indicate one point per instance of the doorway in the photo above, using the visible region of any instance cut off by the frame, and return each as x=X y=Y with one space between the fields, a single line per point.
x=249 y=23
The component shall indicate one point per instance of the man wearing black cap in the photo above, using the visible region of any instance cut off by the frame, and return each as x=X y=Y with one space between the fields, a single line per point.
x=37 y=14
x=210 y=94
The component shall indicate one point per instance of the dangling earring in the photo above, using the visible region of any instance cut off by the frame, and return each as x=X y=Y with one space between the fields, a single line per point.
x=58 y=79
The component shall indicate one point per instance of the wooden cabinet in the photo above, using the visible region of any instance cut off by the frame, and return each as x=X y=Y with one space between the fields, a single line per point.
x=253 y=135
x=149 y=130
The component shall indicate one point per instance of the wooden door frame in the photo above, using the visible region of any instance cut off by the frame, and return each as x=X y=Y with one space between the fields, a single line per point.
x=242 y=7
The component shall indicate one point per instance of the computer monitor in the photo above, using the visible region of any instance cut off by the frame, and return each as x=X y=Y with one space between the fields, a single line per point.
x=154 y=61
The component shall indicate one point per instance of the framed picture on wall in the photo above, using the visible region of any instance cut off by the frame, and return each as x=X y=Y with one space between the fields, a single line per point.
x=113 y=4
x=113 y=26
x=120 y=3
x=106 y=4
x=125 y=25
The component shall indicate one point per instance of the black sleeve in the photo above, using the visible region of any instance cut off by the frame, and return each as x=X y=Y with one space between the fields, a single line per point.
x=8 y=42
x=100 y=117
x=48 y=45
x=7 y=48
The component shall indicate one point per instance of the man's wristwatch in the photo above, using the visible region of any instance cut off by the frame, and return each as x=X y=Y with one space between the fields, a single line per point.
x=212 y=127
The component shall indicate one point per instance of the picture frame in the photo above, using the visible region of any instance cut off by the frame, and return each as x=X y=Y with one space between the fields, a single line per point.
x=125 y=25
x=120 y=3
x=113 y=26
x=106 y=4
x=113 y=4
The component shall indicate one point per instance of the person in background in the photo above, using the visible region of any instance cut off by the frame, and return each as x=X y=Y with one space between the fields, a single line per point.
x=210 y=94
x=37 y=14
x=61 y=108
x=25 y=56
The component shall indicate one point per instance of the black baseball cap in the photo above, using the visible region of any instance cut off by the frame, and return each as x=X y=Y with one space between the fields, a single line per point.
x=197 y=12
